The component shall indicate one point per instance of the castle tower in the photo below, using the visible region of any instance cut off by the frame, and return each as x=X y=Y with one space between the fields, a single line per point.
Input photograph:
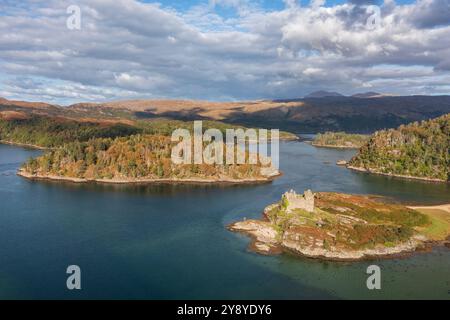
x=296 y=201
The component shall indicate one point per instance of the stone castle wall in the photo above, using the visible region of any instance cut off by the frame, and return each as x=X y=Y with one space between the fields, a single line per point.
x=296 y=201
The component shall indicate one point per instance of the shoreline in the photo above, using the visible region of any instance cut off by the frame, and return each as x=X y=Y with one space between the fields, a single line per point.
x=265 y=240
x=270 y=248
x=333 y=147
x=371 y=171
x=443 y=207
x=24 y=145
x=29 y=176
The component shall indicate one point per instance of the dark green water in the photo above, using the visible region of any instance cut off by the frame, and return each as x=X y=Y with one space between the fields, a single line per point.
x=170 y=242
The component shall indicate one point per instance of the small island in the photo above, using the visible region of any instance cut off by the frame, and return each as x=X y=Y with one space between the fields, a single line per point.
x=136 y=159
x=344 y=227
x=340 y=140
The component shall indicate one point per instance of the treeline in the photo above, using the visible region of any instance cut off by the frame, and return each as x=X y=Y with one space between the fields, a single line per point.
x=52 y=132
x=128 y=158
x=418 y=149
x=340 y=140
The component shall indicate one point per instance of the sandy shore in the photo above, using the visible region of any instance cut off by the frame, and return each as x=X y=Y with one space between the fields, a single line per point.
x=443 y=207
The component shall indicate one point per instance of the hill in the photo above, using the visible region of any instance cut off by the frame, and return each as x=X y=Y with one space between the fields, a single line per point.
x=418 y=150
x=323 y=94
x=349 y=114
x=26 y=104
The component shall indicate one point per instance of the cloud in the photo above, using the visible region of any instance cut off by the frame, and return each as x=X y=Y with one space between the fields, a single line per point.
x=430 y=13
x=130 y=49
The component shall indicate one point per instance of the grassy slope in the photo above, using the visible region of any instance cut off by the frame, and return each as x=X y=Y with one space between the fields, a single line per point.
x=439 y=229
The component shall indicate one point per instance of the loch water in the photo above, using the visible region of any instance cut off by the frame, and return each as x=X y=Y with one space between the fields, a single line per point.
x=171 y=241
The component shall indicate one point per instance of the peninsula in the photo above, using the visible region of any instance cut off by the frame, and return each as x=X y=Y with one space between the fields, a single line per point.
x=344 y=227
x=420 y=150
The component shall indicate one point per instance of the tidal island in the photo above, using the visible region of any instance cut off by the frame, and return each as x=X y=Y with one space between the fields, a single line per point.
x=344 y=227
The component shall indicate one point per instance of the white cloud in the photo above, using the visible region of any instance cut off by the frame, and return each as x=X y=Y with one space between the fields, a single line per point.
x=133 y=49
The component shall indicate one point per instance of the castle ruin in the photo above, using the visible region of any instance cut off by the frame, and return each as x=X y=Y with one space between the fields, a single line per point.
x=296 y=201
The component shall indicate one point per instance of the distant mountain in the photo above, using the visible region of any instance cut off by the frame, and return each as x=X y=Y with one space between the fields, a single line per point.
x=338 y=113
x=323 y=94
x=24 y=104
x=368 y=95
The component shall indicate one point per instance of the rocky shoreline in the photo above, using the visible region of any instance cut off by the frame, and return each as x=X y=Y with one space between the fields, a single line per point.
x=318 y=145
x=27 y=175
x=265 y=241
x=25 y=145
x=373 y=171
x=308 y=241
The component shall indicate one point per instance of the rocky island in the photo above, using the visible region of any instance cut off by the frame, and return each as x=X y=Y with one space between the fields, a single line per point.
x=333 y=226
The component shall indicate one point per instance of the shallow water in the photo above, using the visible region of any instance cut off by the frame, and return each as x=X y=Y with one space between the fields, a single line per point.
x=170 y=242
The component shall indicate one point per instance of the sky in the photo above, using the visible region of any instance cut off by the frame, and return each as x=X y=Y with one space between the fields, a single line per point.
x=222 y=50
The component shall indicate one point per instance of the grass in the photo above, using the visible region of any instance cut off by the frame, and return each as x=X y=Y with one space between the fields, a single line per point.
x=439 y=227
x=357 y=222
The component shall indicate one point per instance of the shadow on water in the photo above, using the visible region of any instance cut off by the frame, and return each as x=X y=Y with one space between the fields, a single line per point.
x=154 y=189
x=168 y=241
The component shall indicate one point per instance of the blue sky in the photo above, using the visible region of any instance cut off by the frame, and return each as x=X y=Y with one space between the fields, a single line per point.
x=266 y=4
x=228 y=11
x=235 y=50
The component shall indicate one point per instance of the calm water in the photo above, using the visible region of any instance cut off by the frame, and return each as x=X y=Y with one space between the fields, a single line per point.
x=170 y=242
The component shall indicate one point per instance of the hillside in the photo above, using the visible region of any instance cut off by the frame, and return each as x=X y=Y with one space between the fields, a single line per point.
x=336 y=113
x=138 y=158
x=340 y=140
x=349 y=114
x=26 y=104
x=420 y=150
x=50 y=132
